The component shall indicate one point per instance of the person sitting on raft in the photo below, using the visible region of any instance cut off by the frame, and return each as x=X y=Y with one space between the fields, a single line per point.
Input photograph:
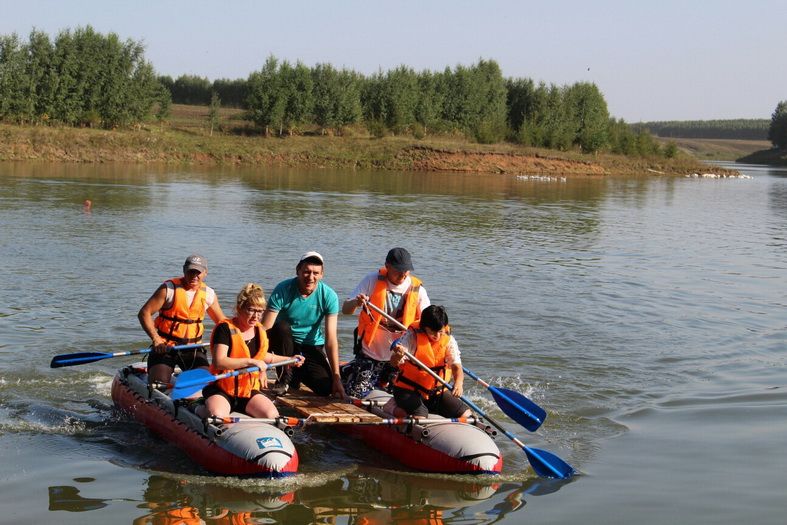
x=180 y=305
x=237 y=343
x=430 y=341
x=398 y=293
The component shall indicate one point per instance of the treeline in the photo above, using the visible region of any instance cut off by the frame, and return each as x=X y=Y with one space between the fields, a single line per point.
x=198 y=91
x=81 y=78
x=283 y=98
x=85 y=78
x=741 y=129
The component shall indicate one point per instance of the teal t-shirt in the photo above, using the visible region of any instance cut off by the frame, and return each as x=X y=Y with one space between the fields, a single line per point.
x=305 y=315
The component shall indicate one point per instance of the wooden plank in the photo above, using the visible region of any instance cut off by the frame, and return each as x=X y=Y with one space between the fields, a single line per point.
x=326 y=410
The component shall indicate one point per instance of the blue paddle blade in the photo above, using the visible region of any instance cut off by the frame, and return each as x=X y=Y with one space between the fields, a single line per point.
x=519 y=408
x=198 y=377
x=79 y=358
x=186 y=391
x=548 y=465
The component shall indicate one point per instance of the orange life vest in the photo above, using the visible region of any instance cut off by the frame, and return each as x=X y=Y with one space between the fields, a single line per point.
x=241 y=385
x=182 y=516
x=368 y=325
x=233 y=518
x=181 y=323
x=433 y=355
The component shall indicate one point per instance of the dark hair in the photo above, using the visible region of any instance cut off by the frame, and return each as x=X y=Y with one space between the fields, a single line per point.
x=434 y=318
x=309 y=260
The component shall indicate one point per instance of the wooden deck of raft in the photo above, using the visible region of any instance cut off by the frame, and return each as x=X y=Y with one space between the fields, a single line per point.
x=325 y=409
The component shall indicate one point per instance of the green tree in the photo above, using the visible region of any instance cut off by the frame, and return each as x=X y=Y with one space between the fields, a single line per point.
x=490 y=95
x=213 y=111
x=164 y=101
x=476 y=100
x=82 y=78
x=13 y=78
x=336 y=97
x=621 y=137
x=373 y=103
x=559 y=130
x=431 y=99
x=144 y=91
x=777 y=132
x=40 y=92
x=296 y=85
x=192 y=89
x=267 y=98
x=535 y=109
x=233 y=93
x=520 y=103
x=587 y=111
x=400 y=97
x=349 y=102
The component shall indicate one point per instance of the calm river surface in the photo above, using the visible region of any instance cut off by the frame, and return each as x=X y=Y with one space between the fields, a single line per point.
x=647 y=315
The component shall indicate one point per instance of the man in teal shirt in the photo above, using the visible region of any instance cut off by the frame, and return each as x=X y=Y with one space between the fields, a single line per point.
x=294 y=318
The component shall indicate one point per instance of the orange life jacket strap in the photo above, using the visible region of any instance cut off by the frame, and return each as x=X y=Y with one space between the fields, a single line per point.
x=180 y=319
x=179 y=340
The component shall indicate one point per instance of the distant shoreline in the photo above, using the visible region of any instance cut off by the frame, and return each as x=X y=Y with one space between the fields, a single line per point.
x=167 y=145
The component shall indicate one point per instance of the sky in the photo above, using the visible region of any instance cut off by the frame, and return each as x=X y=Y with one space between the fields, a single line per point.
x=652 y=60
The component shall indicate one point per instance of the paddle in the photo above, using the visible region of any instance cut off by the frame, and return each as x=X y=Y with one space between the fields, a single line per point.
x=81 y=358
x=545 y=464
x=513 y=404
x=302 y=421
x=190 y=381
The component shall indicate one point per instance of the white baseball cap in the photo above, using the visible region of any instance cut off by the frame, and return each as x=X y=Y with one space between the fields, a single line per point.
x=311 y=255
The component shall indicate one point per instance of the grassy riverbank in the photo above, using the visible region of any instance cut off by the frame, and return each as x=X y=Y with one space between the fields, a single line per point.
x=717 y=149
x=185 y=139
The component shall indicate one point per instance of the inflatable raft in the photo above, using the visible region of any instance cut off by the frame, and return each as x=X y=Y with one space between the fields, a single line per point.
x=444 y=447
x=248 y=449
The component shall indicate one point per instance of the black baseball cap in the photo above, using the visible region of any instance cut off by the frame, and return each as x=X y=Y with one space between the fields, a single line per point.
x=399 y=259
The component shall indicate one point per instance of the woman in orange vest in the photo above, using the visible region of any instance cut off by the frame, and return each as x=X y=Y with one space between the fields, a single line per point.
x=237 y=343
x=180 y=304
x=430 y=341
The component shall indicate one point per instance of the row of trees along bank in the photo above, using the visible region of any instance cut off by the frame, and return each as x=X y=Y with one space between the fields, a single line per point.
x=82 y=78
x=740 y=129
x=85 y=78
x=284 y=98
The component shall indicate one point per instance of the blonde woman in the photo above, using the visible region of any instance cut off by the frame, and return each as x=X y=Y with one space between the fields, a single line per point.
x=237 y=343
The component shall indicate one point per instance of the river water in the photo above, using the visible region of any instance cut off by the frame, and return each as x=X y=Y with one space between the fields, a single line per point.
x=647 y=315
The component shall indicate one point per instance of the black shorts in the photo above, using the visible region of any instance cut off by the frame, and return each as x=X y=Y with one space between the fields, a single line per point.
x=237 y=404
x=186 y=360
x=445 y=404
x=316 y=370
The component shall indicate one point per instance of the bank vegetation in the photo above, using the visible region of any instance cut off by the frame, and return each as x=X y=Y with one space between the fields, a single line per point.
x=84 y=96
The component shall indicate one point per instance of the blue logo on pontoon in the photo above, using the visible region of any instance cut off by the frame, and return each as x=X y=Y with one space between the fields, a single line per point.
x=269 y=442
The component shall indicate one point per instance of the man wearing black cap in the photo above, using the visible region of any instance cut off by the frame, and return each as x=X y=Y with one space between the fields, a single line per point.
x=180 y=304
x=393 y=289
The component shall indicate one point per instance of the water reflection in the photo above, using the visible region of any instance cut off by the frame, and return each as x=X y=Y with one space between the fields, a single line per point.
x=380 y=497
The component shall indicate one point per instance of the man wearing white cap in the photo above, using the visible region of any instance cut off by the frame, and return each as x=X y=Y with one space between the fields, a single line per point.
x=294 y=318
x=180 y=304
